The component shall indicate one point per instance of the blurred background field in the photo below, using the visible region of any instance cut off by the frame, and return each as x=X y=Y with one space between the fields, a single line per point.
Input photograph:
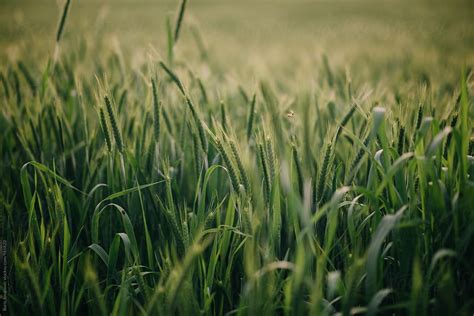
x=254 y=38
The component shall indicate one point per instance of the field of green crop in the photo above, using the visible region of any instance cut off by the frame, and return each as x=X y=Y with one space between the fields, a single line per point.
x=282 y=157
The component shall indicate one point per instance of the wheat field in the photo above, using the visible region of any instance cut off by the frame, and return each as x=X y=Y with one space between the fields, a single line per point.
x=236 y=157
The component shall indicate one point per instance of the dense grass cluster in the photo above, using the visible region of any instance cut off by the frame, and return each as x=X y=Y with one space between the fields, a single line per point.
x=144 y=191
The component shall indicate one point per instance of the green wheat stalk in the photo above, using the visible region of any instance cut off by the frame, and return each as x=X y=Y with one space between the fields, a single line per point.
x=251 y=117
x=62 y=21
x=344 y=121
x=197 y=120
x=299 y=171
x=230 y=167
x=266 y=175
x=105 y=129
x=156 y=112
x=114 y=123
x=240 y=166
x=320 y=188
x=179 y=20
